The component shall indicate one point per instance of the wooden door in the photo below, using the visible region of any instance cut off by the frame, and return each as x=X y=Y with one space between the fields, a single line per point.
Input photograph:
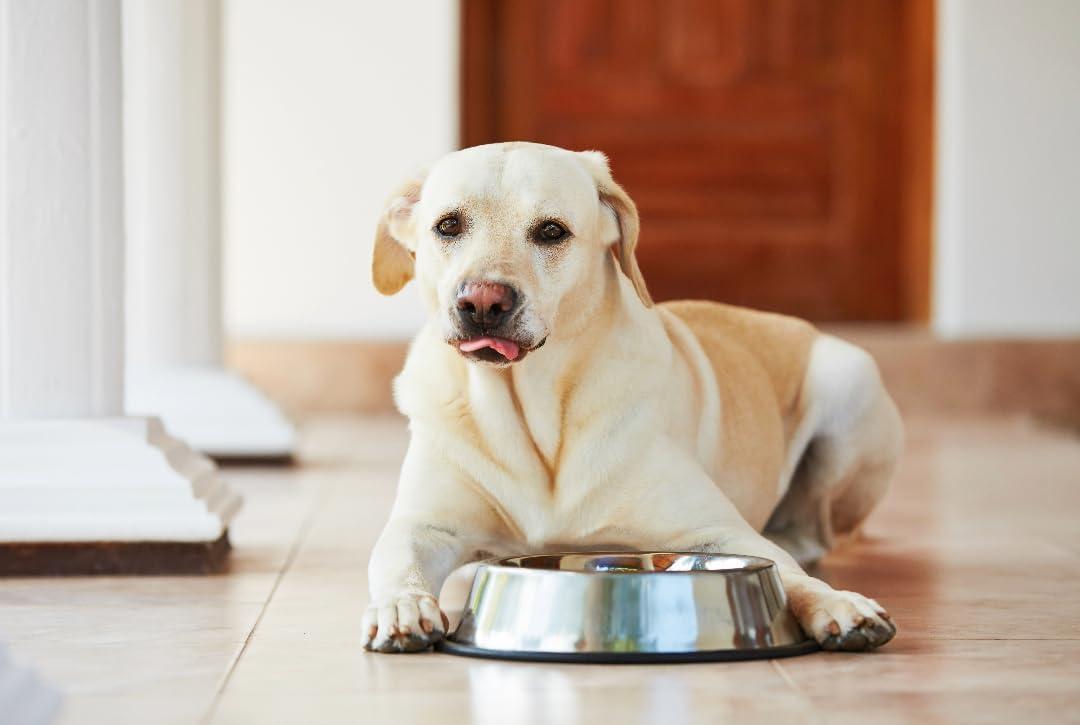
x=777 y=149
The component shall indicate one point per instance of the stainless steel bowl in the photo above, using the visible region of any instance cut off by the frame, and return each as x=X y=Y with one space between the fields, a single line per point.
x=627 y=607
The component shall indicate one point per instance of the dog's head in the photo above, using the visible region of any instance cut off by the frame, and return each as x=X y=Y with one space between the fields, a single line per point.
x=507 y=241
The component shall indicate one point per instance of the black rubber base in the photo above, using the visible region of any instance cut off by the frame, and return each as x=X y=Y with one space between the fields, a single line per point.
x=113 y=558
x=630 y=658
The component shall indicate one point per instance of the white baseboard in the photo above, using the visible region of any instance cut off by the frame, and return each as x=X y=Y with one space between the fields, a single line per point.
x=213 y=410
x=106 y=480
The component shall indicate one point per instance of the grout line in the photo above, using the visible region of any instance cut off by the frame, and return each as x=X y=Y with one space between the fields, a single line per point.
x=786 y=677
x=1067 y=550
x=290 y=558
x=794 y=686
x=999 y=639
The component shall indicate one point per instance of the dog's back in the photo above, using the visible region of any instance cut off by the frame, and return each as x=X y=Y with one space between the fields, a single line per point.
x=759 y=362
x=778 y=343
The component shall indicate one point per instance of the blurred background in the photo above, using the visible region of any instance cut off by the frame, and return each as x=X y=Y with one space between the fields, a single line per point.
x=190 y=187
x=873 y=161
x=782 y=153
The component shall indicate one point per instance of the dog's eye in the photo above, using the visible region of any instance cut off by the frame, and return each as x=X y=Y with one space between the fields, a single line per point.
x=449 y=226
x=551 y=232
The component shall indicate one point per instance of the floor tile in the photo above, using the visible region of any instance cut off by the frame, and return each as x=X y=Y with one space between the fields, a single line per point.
x=976 y=551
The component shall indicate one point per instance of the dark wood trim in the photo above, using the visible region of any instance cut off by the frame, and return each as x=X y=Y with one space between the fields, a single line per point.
x=281 y=461
x=113 y=558
x=479 y=69
x=918 y=170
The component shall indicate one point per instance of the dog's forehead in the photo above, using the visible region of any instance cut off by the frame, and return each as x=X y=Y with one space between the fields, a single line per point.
x=527 y=176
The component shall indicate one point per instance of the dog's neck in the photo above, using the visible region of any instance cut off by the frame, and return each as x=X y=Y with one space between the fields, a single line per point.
x=587 y=329
x=590 y=310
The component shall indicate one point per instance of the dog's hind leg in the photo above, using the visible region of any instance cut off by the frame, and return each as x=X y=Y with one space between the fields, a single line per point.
x=851 y=440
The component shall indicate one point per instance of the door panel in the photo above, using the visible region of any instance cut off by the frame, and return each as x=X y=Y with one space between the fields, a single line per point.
x=762 y=140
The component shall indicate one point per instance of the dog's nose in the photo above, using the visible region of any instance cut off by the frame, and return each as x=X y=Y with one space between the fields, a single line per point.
x=485 y=304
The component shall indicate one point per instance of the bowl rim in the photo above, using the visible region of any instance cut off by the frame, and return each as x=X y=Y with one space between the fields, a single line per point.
x=752 y=564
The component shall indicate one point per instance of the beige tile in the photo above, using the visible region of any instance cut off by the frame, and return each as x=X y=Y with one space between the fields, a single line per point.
x=947 y=681
x=507 y=693
x=976 y=551
x=122 y=647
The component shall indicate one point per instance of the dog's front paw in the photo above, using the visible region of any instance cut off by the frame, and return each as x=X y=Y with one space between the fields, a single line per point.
x=406 y=622
x=845 y=621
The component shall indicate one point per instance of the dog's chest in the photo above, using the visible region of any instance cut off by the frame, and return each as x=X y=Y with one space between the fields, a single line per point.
x=552 y=521
x=550 y=484
x=560 y=446
x=537 y=491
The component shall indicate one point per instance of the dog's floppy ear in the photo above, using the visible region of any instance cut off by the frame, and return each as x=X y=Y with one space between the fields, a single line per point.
x=392 y=261
x=615 y=198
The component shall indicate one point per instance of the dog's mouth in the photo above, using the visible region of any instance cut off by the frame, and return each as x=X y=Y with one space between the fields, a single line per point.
x=504 y=348
x=491 y=349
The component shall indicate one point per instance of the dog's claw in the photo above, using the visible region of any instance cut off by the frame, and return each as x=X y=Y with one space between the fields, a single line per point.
x=402 y=643
x=403 y=623
x=864 y=636
x=843 y=621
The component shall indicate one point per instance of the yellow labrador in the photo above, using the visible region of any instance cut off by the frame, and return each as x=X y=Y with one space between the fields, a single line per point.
x=553 y=406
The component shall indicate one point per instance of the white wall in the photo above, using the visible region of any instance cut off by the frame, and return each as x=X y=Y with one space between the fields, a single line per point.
x=327 y=105
x=1008 y=181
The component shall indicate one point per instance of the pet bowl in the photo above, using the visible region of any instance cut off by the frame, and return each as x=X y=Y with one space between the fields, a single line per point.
x=627 y=607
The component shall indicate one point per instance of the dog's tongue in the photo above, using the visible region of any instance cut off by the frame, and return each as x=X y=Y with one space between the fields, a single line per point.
x=506 y=348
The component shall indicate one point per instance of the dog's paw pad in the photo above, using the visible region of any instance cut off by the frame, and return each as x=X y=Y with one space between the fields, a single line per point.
x=407 y=622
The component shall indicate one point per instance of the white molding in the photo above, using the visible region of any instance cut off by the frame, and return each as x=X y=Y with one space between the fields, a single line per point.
x=212 y=409
x=109 y=479
x=172 y=171
x=71 y=469
x=61 y=213
x=172 y=69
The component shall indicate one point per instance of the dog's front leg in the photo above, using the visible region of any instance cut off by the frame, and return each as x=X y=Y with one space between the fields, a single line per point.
x=438 y=523
x=838 y=620
x=408 y=566
x=701 y=518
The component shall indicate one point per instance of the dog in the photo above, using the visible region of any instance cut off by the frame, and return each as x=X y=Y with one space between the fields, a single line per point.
x=552 y=406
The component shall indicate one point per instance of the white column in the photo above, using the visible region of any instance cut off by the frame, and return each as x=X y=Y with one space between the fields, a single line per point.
x=61 y=249
x=172 y=51
x=71 y=468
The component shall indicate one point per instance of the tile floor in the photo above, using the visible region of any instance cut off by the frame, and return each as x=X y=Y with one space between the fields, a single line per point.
x=976 y=552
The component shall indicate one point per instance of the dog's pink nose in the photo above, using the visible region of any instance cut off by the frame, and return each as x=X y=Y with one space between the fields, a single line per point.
x=485 y=304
